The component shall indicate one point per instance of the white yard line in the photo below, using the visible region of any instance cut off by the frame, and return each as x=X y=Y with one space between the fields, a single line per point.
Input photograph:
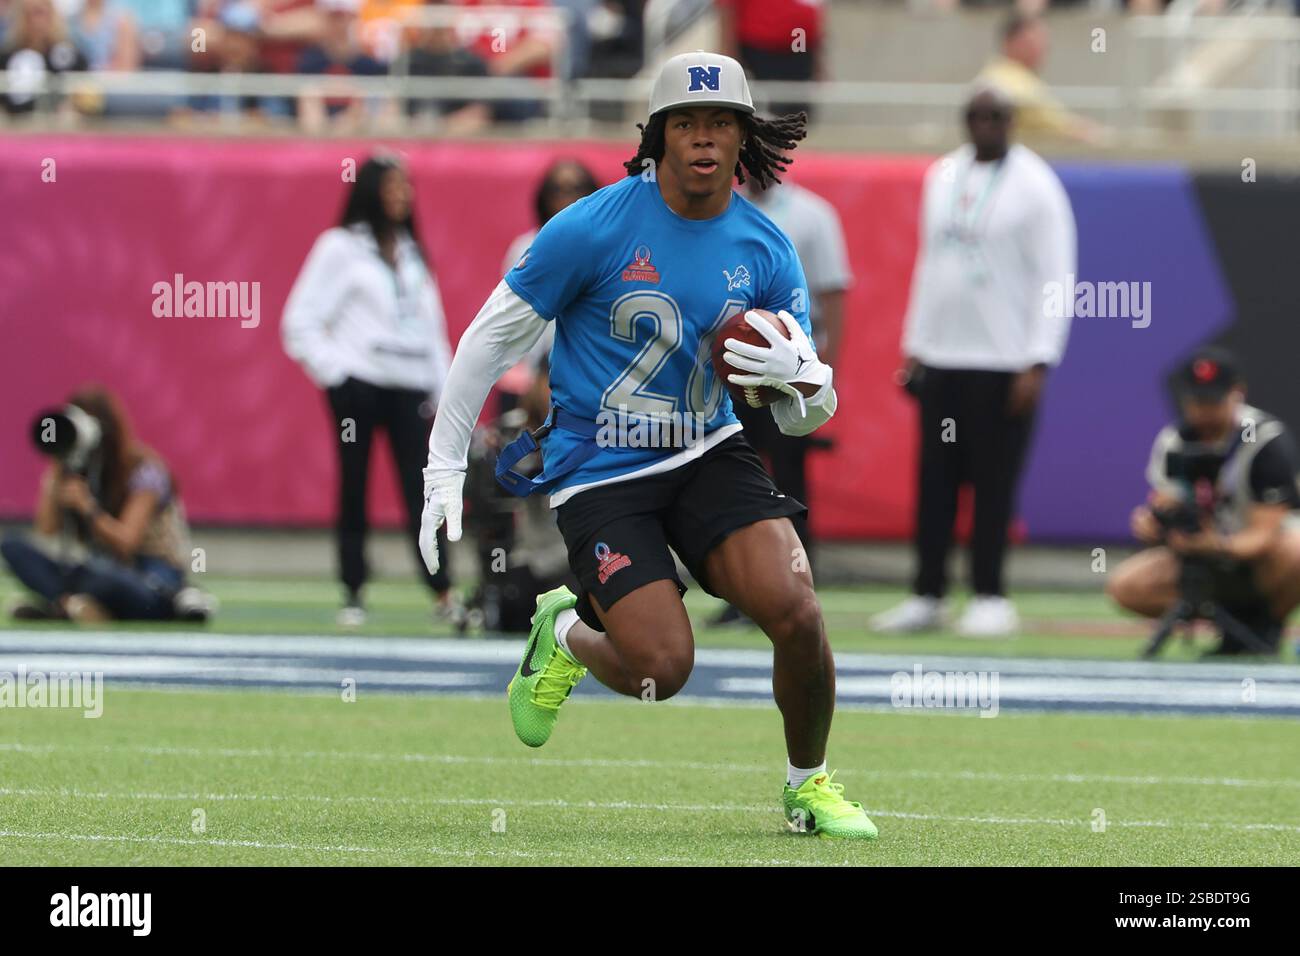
x=555 y=803
x=1061 y=689
x=182 y=841
x=498 y=651
x=635 y=764
x=616 y=805
x=294 y=672
x=440 y=665
x=51 y=837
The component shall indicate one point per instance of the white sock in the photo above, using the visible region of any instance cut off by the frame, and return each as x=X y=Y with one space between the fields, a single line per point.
x=795 y=776
x=563 y=622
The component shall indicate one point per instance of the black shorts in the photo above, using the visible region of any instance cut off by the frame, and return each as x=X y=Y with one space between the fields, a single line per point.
x=618 y=535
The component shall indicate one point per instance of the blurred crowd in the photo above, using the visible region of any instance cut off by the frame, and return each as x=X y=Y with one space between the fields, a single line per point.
x=44 y=44
x=338 y=38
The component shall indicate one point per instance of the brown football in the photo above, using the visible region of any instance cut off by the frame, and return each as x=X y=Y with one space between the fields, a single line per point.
x=737 y=327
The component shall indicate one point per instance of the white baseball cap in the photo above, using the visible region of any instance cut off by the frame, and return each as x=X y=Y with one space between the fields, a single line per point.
x=701 y=79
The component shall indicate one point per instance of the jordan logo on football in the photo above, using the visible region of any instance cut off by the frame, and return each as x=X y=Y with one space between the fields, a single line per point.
x=641 y=270
x=609 y=561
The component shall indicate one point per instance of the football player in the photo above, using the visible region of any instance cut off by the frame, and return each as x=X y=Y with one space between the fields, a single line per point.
x=638 y=277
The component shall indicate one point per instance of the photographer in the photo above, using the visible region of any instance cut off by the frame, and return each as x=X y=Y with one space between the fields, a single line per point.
x=118 y=500
x=1223 y=502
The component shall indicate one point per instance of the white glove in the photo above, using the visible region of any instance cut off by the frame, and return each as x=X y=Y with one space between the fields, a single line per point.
x=785 y=363
x=442 y=502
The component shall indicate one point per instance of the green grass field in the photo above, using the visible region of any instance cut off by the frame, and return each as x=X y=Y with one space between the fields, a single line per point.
x=282 y=778
x=302 y=779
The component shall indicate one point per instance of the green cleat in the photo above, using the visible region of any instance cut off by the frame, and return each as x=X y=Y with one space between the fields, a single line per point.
x=819 y=807
x=546 y=675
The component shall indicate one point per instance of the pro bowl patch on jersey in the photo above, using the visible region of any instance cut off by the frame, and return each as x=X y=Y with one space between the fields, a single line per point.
x=641 y=270
x=741 y=277
x=609 y=561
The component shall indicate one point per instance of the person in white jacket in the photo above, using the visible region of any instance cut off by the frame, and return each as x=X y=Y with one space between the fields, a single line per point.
x=996 y=234
x=365 y=321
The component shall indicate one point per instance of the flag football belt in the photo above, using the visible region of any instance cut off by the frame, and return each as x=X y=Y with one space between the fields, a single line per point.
x=529 y=442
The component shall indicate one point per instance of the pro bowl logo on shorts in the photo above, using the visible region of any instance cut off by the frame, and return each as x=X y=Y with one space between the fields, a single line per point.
x=608 y=561
x=641 y=270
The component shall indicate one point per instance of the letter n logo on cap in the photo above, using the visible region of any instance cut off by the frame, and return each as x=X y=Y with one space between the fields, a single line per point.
x=704 y=78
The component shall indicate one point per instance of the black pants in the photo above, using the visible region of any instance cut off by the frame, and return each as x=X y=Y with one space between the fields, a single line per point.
x=967 y=437
x=786 y=458
x=397 y=411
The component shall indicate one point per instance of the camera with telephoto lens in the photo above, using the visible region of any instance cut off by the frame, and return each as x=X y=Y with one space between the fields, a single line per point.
x=1209 y=588
x=71 y=435
x=1196 y=466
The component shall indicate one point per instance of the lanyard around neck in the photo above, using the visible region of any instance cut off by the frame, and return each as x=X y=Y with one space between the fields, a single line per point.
x=969 y=222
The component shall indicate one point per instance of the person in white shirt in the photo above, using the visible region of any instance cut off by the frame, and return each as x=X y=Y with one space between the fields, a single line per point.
x=365 y=321
x=996 y=233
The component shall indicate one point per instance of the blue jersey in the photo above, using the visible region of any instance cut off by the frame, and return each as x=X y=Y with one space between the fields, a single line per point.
x=636 y=293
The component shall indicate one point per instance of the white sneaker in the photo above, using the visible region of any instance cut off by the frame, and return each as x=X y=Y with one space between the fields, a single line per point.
x=191 y=604
x=988 y=615
x=352 y=615
x=916 y=613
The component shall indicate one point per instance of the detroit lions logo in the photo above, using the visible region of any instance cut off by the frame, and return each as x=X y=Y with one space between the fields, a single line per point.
x=736 y=281
x=704 y=78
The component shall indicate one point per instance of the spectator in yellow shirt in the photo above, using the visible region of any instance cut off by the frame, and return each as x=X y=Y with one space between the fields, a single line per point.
x=1015 y=72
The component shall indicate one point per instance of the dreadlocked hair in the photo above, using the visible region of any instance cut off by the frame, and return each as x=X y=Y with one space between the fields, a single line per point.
x=651 y=148
x=766 y=141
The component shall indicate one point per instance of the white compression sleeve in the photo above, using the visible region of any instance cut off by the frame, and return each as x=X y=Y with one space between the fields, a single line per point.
x=500 y=335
